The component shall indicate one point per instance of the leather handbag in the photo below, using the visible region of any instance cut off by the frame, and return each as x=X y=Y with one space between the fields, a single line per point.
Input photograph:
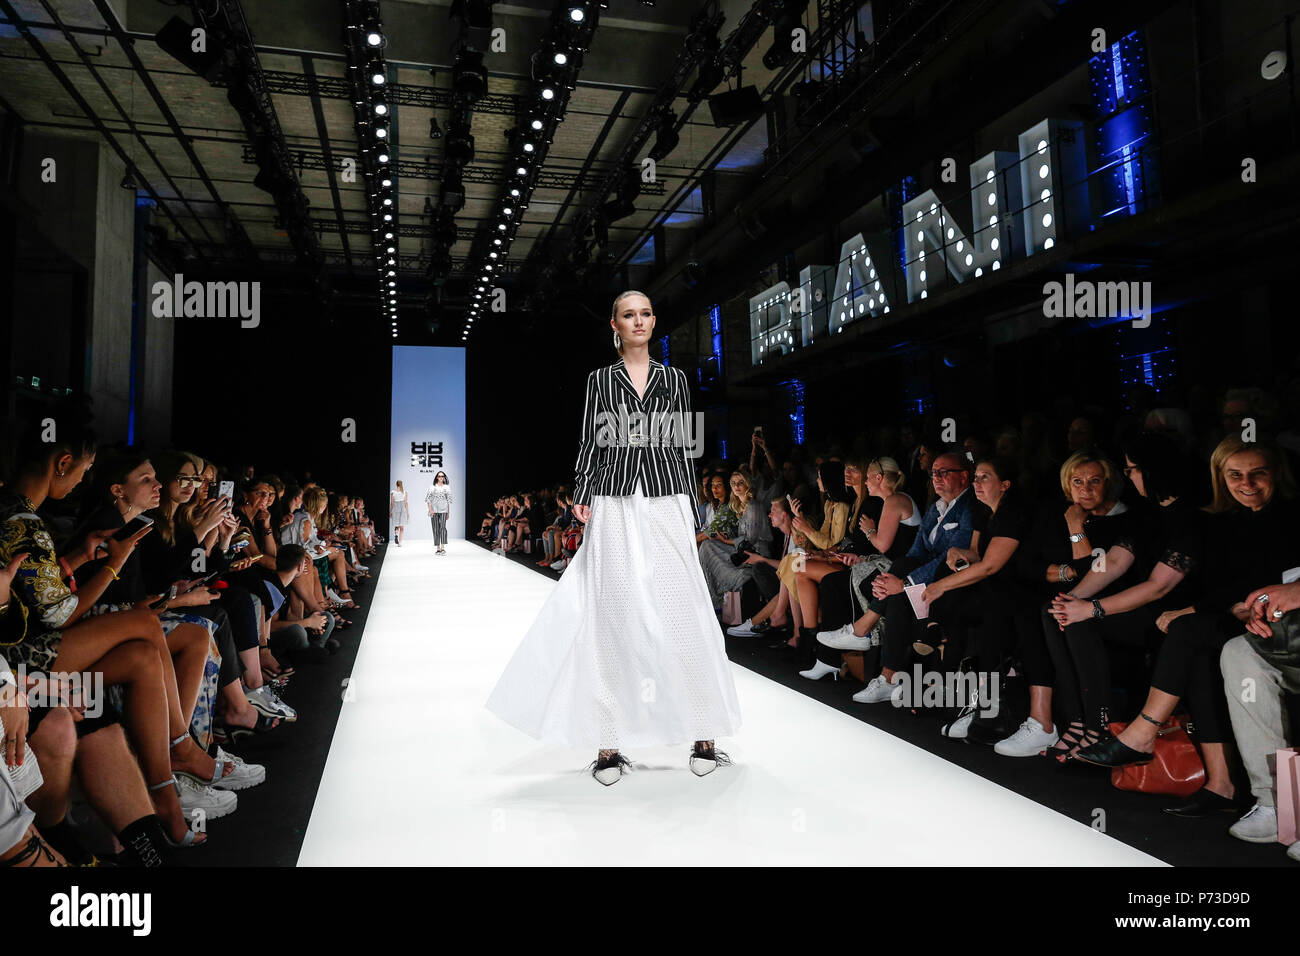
x=1283 y=648
x=1176 y=769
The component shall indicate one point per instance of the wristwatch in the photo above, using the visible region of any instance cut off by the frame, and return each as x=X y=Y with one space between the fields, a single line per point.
x=1097 y=610
x=1076 y=538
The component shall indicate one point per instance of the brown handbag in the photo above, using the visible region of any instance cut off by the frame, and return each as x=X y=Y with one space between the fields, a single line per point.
x=1176 y=769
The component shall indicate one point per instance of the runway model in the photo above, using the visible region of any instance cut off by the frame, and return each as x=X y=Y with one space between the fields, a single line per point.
x=438 y=500
x=627 y=651
x=398 y=513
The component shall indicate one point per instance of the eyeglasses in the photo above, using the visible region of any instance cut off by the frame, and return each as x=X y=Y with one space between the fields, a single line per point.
x=183 y=480
x=942 y=473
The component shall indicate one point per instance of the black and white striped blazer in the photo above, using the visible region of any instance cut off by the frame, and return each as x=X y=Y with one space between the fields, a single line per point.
x=612 y=468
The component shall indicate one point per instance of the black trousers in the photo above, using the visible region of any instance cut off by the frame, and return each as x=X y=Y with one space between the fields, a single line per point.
x=1082 y=661
x=1188 y=668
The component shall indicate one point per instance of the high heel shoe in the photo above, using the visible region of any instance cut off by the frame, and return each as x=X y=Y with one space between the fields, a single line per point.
x=819 y=670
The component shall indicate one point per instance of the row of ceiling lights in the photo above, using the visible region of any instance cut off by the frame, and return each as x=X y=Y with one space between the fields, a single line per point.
x=373 y=119
x=561 y=56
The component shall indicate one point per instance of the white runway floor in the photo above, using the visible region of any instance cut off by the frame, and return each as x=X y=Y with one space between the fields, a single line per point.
x=419 y=773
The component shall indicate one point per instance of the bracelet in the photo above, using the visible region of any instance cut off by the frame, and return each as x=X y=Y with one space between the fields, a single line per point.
x=110 y=570
x=1060 y=572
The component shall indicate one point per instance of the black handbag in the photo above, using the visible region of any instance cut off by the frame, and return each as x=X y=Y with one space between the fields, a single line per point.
x=1283 y=648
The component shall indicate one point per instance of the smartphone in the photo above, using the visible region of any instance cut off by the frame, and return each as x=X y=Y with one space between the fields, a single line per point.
x=171 y=593
x=227 y=490
x=212 y=490
x=961 y=564
x=131 y=527
x=242 y=543
x=758 y=430
x=204 y=582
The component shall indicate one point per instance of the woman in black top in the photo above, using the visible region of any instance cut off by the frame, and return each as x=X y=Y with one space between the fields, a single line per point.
x=984 y=601
x=1249 y=542
x=1095 y=531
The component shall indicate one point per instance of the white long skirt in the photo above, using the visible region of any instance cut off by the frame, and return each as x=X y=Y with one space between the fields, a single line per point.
x=626 y=651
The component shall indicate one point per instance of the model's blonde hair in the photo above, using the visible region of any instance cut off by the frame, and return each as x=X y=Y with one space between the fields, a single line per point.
x=613 y=313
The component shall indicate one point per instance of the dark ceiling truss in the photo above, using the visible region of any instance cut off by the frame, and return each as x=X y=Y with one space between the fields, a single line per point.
x=235 y=231
x=830 y=34
x=699 y=49
x=38 y=48
x=399 y=94
x=219 y=254
x=322 y=131
x=248 y=93
x=489 y=175
x=556 y=64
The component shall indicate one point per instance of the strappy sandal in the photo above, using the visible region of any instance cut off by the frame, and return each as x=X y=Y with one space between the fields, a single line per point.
x=263 y=725
x=217 y=768
x=1074 y=741
x=33 y=850
x=191 y=838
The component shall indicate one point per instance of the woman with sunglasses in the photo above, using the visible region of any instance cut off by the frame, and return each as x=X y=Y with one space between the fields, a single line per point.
x=438 y=501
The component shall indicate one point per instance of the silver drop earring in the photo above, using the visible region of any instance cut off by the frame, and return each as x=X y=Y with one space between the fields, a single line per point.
x=618 y=342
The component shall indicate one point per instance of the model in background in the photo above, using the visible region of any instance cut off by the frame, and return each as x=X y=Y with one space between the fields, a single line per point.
x=626 y=651
x=438 y=499
x=398 y=513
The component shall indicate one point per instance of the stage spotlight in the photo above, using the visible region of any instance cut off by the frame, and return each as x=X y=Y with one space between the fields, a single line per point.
x=521 y=171
x=383 y=157
x=469 y=76
x=386 y=183
x=128 y=181
x=577 y=14
x=548 y=92
x=666 y=139
x=377 y=78
x=536 y=123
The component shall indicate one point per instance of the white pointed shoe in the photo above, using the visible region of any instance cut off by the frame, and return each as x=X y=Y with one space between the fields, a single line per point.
x=704 y=762
x=819 y=670
x=609 y=771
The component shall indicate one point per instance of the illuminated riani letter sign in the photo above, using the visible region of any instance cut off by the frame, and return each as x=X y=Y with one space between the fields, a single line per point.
x=771 y=321
x=1048 y=188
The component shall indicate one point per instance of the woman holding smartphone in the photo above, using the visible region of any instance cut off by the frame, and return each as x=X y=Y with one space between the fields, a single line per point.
x=634 y=611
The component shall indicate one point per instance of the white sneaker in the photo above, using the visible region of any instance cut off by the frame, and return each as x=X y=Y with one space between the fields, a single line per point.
x=1029 y=739
x=1259 y=825
x=819 y=670
x=244 y=775
x=559 y=565
x=1293 y=851
x=958 y=728
x=213 y=803
x=363 y=567
x=265 y=701
x=743 y=630
x=843 y=639
x=877 y=691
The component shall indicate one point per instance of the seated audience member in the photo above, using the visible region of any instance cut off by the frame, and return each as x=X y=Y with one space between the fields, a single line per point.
x=1249 y=540
x=301 y=635
x=887 y=539
x=948 y=523
x=715 y=517
x=127 y=648
x=1095 y=529
x=829 y=576
x=1261 y=659
x=753 y=531
x=772 y=619
x=551 y=533
x=984 y=597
